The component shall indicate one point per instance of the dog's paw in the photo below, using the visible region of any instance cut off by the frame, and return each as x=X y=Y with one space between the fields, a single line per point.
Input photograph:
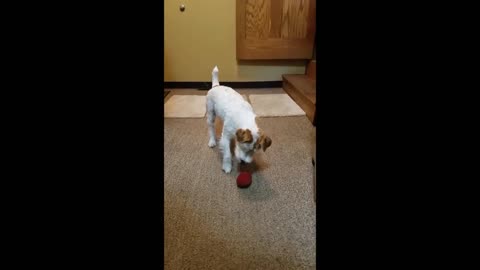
x=211 y=143
x=227 y=168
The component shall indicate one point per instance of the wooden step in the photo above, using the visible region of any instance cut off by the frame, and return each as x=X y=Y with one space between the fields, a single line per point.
x=302 y=89
x=312 y=70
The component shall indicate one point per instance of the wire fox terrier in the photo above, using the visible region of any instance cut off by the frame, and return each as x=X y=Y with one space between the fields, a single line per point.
x=238 y=124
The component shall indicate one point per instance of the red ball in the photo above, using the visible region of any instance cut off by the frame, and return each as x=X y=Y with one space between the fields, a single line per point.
x=244 y=180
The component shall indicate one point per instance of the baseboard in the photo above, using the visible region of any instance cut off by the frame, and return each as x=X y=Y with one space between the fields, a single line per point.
x=208 y=85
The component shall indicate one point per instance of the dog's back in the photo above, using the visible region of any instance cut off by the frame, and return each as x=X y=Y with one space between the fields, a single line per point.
x=226 y=101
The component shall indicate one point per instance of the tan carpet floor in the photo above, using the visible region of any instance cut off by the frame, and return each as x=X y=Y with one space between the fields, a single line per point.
x=212 y=224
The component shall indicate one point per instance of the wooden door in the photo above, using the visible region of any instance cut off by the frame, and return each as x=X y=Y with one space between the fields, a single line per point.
x=275 y=29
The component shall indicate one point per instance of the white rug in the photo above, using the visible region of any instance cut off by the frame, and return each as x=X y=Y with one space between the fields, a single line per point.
x=185 y=106
x=270 y=105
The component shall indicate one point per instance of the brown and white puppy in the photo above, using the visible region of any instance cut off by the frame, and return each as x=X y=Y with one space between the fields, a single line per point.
x=238 y=124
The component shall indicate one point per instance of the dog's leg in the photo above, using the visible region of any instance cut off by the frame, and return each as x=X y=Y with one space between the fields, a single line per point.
x=211 y=123
x=227 y=155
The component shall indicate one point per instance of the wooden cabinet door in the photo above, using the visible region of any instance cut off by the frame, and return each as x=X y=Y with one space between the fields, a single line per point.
x=275 y=29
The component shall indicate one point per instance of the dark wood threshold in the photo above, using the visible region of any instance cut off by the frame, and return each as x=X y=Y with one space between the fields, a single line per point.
x=208 y=85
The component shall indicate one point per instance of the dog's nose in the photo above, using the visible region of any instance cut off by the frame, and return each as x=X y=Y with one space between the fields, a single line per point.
x=242 y=161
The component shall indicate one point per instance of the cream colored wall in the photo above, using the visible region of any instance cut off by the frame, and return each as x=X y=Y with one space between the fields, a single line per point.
x=204 y=36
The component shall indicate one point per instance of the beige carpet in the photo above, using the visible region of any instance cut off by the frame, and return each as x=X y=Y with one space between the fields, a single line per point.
x=212 y=224
x=185 y=106
x=271 y=105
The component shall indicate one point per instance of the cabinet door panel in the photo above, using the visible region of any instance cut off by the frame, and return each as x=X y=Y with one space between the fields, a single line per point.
x=275 y=29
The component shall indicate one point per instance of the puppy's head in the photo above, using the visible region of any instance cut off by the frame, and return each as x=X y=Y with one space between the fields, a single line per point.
x=247 y=143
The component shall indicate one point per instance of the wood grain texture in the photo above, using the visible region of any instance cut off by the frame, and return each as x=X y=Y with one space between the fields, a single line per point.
x=276 y=10
x=312 y=21
x=295 y=18
x=275 y=29
x=257 y=23
x=240 y=27
x=274 y=49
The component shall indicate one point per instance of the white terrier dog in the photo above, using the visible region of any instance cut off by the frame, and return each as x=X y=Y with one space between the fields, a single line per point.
x=238 y=124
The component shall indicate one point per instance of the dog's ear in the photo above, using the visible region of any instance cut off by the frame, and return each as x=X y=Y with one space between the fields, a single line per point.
x=265 y=141
x=244 y=135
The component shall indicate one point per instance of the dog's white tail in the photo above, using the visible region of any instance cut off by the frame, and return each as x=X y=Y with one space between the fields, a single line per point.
x=215 y=77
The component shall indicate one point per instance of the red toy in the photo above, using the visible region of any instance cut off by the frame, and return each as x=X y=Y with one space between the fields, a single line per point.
x=244 y=180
